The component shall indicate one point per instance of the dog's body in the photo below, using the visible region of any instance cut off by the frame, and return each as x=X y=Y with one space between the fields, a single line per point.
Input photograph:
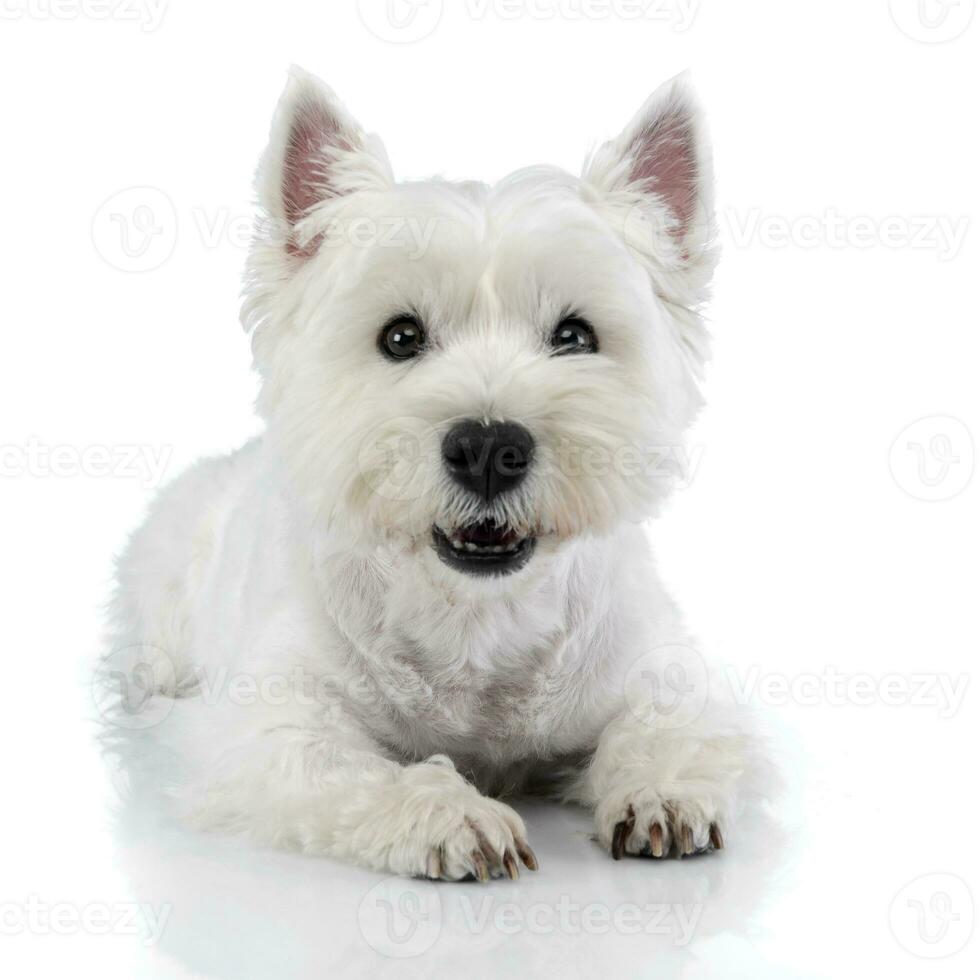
x=427 y=581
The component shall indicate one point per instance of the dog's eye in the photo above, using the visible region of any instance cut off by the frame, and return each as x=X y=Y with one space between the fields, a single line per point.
x=573 y=336
x=402 y=338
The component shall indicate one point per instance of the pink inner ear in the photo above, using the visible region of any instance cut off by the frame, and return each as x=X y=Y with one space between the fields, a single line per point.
x=305 y=175
x=665 y=161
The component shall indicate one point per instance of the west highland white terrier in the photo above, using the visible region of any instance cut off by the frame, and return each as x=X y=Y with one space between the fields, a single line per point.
x=427 y=584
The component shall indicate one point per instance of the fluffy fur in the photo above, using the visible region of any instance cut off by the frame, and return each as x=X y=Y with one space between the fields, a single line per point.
x=394 y=693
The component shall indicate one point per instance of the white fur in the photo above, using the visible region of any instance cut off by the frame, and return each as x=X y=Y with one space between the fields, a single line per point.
x=405 y=690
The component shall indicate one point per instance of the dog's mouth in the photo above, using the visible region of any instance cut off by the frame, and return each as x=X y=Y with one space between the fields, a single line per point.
x=482 y=548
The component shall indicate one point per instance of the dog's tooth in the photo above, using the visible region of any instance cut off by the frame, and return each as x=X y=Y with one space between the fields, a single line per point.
x=497 y=549
x=470 y=546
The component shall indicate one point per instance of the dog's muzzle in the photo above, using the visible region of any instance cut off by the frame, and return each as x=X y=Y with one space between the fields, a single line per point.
x=487 y=459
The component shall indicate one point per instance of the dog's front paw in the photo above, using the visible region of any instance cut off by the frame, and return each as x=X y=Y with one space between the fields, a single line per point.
x=644 y=821
x=483 y=844
x=440 y=826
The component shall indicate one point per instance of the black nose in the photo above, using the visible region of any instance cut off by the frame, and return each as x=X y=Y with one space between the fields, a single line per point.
x=487 y=458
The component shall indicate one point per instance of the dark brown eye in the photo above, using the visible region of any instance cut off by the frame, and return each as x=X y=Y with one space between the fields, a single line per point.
x=573 y=336
x=402 y=338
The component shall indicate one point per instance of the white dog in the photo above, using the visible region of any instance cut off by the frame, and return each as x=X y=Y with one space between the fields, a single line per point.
x=428 y=581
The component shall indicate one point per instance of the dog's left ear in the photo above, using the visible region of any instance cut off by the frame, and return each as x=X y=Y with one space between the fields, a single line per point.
x=656 y=179
x=317 y=152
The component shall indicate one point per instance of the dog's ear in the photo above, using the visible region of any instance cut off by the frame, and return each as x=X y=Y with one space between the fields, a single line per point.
x=317 y=152
x=656 y=178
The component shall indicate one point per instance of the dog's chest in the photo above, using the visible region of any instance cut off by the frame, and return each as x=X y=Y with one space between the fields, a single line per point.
x=504 y=707
x=504 y=681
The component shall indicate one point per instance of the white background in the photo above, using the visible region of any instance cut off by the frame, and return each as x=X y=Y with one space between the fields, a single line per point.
x=820 y=543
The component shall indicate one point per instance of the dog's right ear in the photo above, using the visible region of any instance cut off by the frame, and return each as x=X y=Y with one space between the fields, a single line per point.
x=317 y=153
x=655 y=179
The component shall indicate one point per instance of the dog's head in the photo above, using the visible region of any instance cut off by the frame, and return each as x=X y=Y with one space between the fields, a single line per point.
x=477 y=375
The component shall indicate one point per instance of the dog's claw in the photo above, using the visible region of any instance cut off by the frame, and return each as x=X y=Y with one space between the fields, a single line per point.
x=620 y=834
x=510 y=866
x=656 y=840
x=526 y=855
x=717 y=841
x=486 y=848
x=619 y=840
x=481 y=870
x=433 y=867
x=686 y=841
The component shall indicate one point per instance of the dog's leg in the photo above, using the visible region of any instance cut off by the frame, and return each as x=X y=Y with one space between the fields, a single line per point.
x=334 y=793
x=664 y=790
